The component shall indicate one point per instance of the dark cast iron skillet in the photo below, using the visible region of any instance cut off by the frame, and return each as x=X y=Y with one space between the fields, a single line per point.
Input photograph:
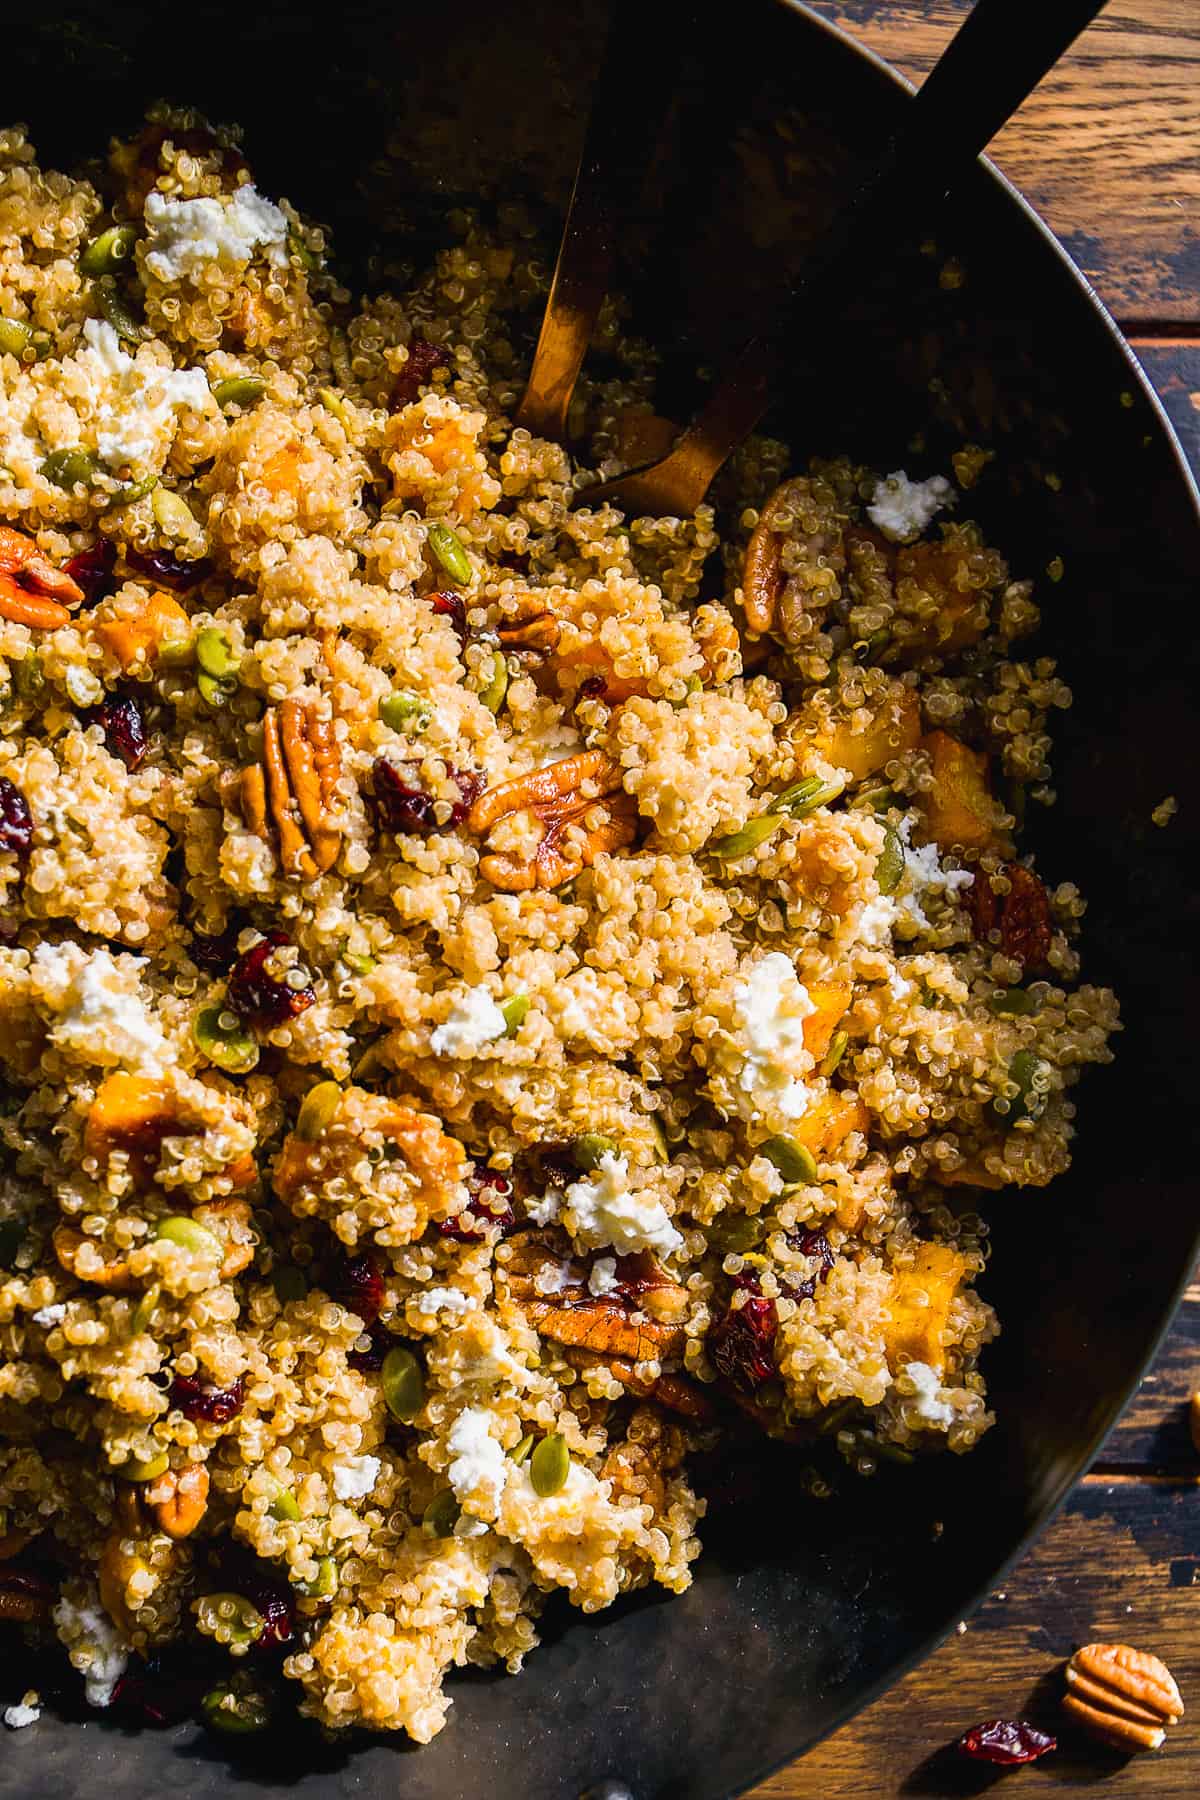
x=383 y=118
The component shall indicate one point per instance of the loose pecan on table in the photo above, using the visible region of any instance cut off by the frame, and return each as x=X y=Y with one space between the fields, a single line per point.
x=287 y=797
x=32 y=590
x=1122 y=1696
x=583 y=811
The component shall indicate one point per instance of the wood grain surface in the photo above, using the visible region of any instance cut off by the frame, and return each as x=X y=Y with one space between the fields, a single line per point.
x=1107 y=149
x=1110 y=154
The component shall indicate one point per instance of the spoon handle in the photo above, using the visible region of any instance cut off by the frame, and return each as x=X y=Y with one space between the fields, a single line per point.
x=993 y=62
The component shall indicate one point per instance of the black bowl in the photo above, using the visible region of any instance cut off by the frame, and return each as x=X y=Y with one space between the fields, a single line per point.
x=800 y=1612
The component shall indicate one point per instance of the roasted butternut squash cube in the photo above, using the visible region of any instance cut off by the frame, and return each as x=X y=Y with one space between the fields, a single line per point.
x=141 y=637
x=128 y=1113
x=959 y=809
x=920 y=1306
x=829 y=1122
x=831 y=1000
x=895 y=729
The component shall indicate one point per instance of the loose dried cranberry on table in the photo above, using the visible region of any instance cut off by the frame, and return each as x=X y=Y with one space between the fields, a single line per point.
x=1006 y=1742
x=204 y=1404
x=490 y=1205
x=453 y=607
x=171 y=571
x=262 y=991
x=124 y=731
x=91 y=571
x=357 y=1284
x=423 y=359
x=400 y=805
x=16 y=820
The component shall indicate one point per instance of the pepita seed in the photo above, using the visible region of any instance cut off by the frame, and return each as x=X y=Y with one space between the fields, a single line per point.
x=795 y=1161
x=806 y=796
x=889 y=864
x=190 y=1235
x=550 y=1465
x=441 y=1515
x=402 y=1383
x=447 y=546
x=105 y=254
x=515 y=1010
x=588 y=1149
x=318 y=1109
x=406 y=712
x=754 y=832
x=224 y=1040
x=238 y=390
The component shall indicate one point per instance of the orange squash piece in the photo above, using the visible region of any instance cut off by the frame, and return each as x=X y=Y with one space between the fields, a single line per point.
x=959 y=809
x=895 y=729
x=128 y=1113
x=920 y=1306
x=139 y=639
x=832 y=1119
x=281 y=472
x=831 y=1000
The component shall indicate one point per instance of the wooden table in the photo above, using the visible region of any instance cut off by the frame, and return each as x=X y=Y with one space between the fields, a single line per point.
x=1109 y=152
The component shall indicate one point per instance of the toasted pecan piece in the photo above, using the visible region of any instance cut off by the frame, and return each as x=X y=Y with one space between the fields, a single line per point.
x=289 y=796
x=763 y=579
x=534 y=625
x=1021 y=917
x=640 y=1319
x=582 y=808
x=178 y=1500
x=32 y=590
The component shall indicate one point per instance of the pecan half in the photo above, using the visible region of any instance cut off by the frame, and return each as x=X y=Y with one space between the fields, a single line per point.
x=289 y=794
x=32 y=590
x=23 y=1596
x=87 y=1259
x=553 y=1294
x=1021 y=918
x=637 y=1467
x=763 y=579
x=178 y=1500
x=674 y=1393
x=533 y=626
x=582 y=808
x=1122 y=1696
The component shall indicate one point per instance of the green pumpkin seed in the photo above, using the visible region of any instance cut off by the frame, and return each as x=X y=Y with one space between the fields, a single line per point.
x=23 y=341
x=441 y=1515
x=838 y=1045
x=105 y=254
x=240 y=1617
x=588 y=1150
x=754 y=832
x=332 y=401
x=128 y=492
x=318 y=1109
x=496 y=686
x=868 y=648
x=190 y=1235
x=877 y=795
x=1013 y=1000
x=794 y=1160
x=520 y=1452
x=236 y=1709
x=403 y=1384
x=297 y=248
x=239 y=390
x=28 y=677
x=805 y=796
x=406 y=712
x=173 y=515
x=1031 y=1074
x=889 y=864
x=119 y=314
x=359 y=962
x=736 y=1233
x=290 y=1283
x=225 y=1041
x=515 y=1010
x=214 y=652
x=284 y=1508
x=662 y=1148
x=550 y=1465
x=143 y=1312
x=324 y=1583
x=70 y=468
x=216 y=690
x=871 y=1445
x=143 y=1468
x=447 y=546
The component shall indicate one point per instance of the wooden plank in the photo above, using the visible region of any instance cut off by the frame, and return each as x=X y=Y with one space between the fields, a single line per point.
x=1107 y=149
x=1173 y=365
x=1112 y=1568
x=1153 y=1437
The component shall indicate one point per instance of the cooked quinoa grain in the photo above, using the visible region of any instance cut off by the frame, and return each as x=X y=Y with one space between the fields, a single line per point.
x=480 y=1010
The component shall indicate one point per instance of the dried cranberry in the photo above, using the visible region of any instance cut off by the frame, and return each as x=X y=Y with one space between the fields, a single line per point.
x=490 y=1205
x=204 y=1404
x=16 y=821
x=172 y=571
x=402 y=806
x=157 y=1696
x=594 y=688
x=742 y=1344
x=423 y=359
x=124 y=732
x=1006 y=1742
x=261 y=997
x=453 y=607
x=92 y=570
x=370 y=1360
x=1022 y=917
x=357 y=1284
x=214 y=952
x=815 y=1244
x=244 y=1574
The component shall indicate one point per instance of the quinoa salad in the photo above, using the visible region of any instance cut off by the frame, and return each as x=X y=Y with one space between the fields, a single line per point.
x=501 y=1004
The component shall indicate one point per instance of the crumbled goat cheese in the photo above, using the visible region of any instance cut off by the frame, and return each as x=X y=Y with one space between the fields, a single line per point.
x=99 y=1018
x=479 y=1465
x=770 y=1008
x=353 y=1480
x=440 y=1299
x=601 y=1210
x=552 y=1278
x=875 y=921
x=932 y=1409
x=140 y=398
x=898 y=987
x=94 y=1646
x=27 y=1711
x=603 y=1278
x=546 y=1210
x=50 y=1315
x=183 y=235
x=580 y=1003
x=473 y=1021
x=924 y=874
x=903 y=508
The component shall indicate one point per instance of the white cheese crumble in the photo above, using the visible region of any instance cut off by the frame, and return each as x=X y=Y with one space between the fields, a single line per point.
x=600 y=1209
x=903 y=508
x=50 y=1315
x=439 y=1299
x=354 y=1479
x=875 y=921
x=133 y=419
x=473 y=1021
x=27 y=1711
x=94 y=1646
x=101 y=1018
x=545 y=1211
x=924 y=874
x=932 y=1409
x=603 y=1278
x=770 y=1008
x=183 y=235
x=479 y=1465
